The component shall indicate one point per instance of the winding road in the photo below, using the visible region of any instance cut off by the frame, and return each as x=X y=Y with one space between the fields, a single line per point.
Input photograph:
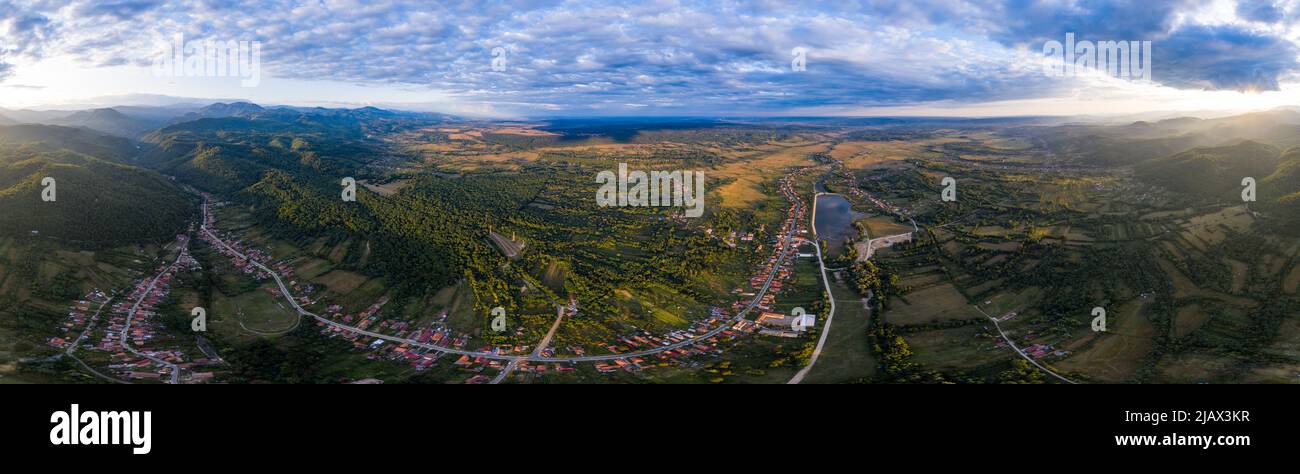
x=1022 y=353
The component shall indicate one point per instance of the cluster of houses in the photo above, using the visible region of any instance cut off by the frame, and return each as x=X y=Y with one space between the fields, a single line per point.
x=794 y=225
x=233 y=247
x=1037 y=351
x=414 y=353
x=80 y=321
x=127 y=336
x=142 y=327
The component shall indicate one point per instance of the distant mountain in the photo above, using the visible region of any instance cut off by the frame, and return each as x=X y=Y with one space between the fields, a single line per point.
x=157 y=114
x=109 y=121
x=98 y=203
x=221 y=110
x=34 y=116
x=7 y=121
x=1136 y=142
x=1212 y=171
x=80 y=140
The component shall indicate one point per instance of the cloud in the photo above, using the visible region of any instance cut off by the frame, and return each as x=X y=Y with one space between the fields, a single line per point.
x=1227 y=57
x=670 y=56
x=1265 y=11
x=121 y=10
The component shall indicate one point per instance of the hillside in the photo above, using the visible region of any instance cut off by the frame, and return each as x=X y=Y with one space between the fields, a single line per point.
x=1280 y=191
x=1211 y=171
x=80 y=140
x=98 y=204
x=233 y=152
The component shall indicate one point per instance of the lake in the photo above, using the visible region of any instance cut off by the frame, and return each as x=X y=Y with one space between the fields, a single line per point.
x=834 y=221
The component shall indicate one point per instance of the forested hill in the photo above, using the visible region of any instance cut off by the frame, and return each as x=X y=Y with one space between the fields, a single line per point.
x=97 y=202
x=287 y=164
x=80 y=140
x=1280 y=191
x=1217 y=173
x=229 y=154
x=1212 y=171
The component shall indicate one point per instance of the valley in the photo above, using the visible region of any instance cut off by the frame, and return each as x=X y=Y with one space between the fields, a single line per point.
x=454 y=220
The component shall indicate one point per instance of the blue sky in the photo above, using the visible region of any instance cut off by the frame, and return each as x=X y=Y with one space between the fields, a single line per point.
x=602 y=57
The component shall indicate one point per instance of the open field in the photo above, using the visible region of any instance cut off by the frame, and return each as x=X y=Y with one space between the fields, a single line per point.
x=750 y=174
x=1114 y=356
x=936 y=303
x=846 y=356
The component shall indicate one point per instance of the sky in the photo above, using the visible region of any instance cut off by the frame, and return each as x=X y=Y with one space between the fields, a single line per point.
x=678 y=58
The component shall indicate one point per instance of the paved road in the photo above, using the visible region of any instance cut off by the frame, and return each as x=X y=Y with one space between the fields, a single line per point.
x=541 y=346
x=826 y=329
x=284 y=290
x=1022 y=353
x=130 y=316
x=511 y=248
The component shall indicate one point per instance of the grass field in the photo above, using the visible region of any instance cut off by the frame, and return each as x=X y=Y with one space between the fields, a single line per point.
x=340 y=281
x=936 y=303
x=881 y=226
x=1185 y=288
x=458 y=302
x=1188 y=319
x=846 y=356
x=1191 y=368
x=1114 y=356
x=750 y=174
x=1292 y=281
x=255 y=313
x=957 y=348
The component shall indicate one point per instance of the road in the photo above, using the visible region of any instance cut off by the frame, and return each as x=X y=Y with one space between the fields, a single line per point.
x=89 y=327
x=511 y=248
x=130 y=316
x=72 y=349
x=284 y=291
x=1022 y=353
x=826 y=329
x=541 y=346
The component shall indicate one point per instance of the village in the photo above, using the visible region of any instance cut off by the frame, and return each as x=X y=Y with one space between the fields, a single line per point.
x=132 y=329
